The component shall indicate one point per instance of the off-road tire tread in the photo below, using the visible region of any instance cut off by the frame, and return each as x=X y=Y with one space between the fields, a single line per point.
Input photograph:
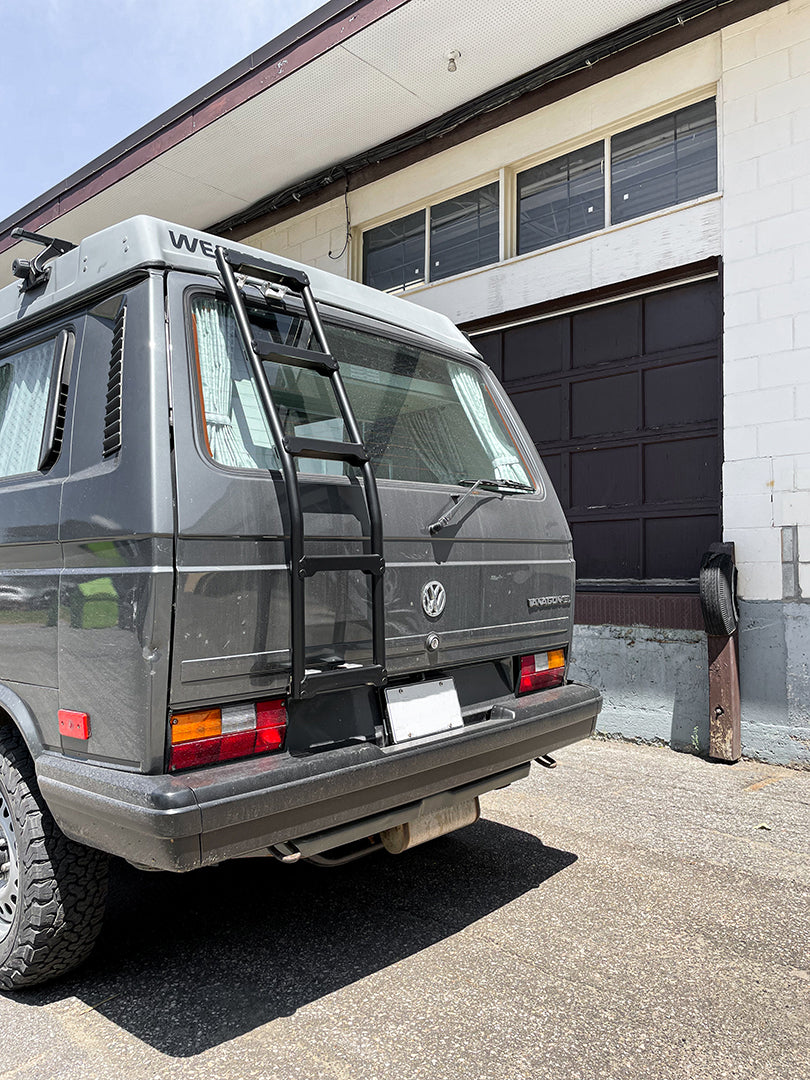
x=718 y=588
x=63 y=885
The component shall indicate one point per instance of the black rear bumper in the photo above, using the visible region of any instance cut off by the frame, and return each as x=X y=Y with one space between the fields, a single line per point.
x=198 y=818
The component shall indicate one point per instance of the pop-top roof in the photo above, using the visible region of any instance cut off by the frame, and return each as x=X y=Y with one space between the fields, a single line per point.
x=145 y=242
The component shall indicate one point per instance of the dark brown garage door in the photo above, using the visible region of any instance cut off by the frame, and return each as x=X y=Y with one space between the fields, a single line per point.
x=623 y=403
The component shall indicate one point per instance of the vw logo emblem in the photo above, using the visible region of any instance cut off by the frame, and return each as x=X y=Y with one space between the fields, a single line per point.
x=433 y=599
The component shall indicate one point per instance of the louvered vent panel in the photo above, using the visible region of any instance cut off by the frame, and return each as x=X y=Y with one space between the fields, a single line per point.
x=112 y=413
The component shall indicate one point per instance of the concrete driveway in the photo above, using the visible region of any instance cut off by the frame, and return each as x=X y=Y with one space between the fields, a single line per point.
x=633 y=913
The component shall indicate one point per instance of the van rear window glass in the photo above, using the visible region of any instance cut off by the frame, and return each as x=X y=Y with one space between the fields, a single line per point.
x=25 y=379
x=423 y=417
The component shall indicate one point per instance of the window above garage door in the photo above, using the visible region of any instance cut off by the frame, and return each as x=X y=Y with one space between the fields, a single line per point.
x=622 y=400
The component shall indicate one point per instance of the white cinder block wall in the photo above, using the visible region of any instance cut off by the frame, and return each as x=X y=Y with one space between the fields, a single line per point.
x=760 y=224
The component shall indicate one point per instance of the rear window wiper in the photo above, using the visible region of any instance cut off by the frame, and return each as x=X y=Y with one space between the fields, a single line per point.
x=503 y=487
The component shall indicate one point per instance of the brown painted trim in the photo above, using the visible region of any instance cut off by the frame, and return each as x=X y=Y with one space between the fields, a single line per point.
x=615 y=291
x=558 y=88
x=664 y=611
x=330 y=26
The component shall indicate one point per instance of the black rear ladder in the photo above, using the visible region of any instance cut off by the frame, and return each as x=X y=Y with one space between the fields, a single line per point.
x=304 y=682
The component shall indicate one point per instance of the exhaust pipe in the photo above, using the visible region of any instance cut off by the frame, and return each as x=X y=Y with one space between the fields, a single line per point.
x=428 y=826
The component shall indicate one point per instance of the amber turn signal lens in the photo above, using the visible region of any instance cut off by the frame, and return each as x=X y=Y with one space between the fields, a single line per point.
x=202 y=724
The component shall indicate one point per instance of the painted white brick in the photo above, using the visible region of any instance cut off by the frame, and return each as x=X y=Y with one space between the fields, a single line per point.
x=782 y=232
x=784 y=473
x=754 y=545
x=759 y=205
x=760 y=581
x=747 y=511
x=778 y=300
x=801 y=260
x=801 y=190
x=331 y=218
x=740 y=243
x=741 y=375
x=802 y=331
x=789 y=163
x=751 y=477
x=775 y=268
x=755 y=141
x=802 y=464
x=744 y=177
x=782 y=99
x=760 y=339
x=799 y=58
x=315 y=248
x=802 y=402
x=739 y=48
x=774 y=37
x=739 y=443
x=292 y=251
x=740 y=81
x=804 y=580
x=790 y=437
x=759 y=406
x=303 y=228
x=740 y=308
x=784 y=369
x=739 y=113
x=791 y=508
x=800 y=125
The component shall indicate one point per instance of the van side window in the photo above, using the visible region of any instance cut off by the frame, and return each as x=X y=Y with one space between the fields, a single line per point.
x=25 y=403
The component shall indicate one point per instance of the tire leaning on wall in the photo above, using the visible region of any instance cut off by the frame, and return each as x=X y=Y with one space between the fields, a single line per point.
x=718 y=591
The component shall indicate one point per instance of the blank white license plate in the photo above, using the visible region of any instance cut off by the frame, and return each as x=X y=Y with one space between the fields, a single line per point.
x=424 y=708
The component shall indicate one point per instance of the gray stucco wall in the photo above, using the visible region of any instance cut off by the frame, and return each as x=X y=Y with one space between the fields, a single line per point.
x=655 y=682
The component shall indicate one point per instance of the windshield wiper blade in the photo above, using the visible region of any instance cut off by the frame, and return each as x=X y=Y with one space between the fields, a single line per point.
x=503 y=487
x=497 y=485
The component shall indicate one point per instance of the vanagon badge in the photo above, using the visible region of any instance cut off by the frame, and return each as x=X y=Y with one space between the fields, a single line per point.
x=536 y=602
x=433 y=599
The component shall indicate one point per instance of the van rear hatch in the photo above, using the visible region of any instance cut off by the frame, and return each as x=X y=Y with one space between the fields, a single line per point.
x=478 y=565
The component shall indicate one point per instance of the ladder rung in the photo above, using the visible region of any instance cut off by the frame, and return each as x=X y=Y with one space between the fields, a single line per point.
x=342 y=679
x=315 y=564
x=252 y=266
x=304 y=358
x=325 y=450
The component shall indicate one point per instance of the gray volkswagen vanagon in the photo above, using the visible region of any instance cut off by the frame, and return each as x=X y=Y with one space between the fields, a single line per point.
x=281 y=574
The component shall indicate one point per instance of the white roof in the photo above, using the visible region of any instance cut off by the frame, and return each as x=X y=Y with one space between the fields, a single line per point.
x=142 y=242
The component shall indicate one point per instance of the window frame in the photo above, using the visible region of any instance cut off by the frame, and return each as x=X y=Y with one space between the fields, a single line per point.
x=51 y=440
x=507 y=176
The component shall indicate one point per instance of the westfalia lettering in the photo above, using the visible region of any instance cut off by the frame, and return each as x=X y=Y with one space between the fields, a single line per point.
x=182 y=241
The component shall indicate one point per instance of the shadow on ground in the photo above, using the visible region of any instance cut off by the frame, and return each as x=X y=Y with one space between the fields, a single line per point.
x=186 y=962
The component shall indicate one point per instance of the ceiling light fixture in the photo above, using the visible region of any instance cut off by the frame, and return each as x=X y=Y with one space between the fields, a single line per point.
x=452 y=57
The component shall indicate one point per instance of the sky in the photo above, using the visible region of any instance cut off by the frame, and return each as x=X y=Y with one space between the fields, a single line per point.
x=77 y=76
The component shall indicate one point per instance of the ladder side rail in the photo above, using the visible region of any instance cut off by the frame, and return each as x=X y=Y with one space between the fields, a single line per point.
x=297 y=597
x=372 y=495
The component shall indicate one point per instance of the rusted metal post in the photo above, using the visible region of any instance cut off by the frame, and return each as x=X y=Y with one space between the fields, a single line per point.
x=725 y=742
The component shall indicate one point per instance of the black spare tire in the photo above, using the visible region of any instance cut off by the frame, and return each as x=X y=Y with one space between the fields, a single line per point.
x=718 y=593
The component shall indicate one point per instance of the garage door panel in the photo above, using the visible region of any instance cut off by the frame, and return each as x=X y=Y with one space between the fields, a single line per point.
x=533 y=349
x=683 y=316
x=681 y=393
x=607 y=549
x=605 y=405
x=673 y=546
x=607 y=477
x=541 y=412
x=611 y=332
x=681 y=470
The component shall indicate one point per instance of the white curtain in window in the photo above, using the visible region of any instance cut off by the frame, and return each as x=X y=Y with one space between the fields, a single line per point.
x=24 y=382
x=217 y=343
x=470 y=392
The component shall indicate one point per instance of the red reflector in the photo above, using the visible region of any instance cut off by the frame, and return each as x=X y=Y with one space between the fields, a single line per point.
x=239 y=744
x=271 y=725
x=76 y=725
x=191 y=754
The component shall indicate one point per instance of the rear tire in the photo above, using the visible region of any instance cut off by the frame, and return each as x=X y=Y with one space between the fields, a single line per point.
x=52 y=890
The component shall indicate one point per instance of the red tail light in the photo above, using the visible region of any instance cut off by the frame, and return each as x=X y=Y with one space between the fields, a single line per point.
x=207 y=736
x=538 y=671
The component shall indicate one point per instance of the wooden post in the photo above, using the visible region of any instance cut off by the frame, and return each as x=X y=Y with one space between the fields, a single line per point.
x=725 y=742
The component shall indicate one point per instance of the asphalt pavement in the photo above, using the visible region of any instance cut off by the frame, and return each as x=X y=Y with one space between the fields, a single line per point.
x=632 y=913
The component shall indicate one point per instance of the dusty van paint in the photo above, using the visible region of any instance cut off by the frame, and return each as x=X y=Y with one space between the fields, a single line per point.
x=140 y=579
